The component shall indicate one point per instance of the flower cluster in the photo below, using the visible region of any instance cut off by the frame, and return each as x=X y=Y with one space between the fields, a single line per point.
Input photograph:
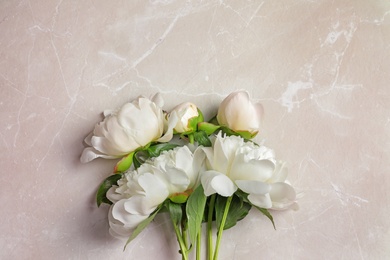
x=196 y=170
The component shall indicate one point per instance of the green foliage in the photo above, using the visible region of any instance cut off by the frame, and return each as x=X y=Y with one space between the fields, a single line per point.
x=202 y=138
x=175 y=212
x=244 y=197
x=141 y=226
x=267 y=214
x=125 y=163
x=104 y=187
x=193 y=122
x=208 y=127
x=237 y=211
x=157 y=149
x=195 y=210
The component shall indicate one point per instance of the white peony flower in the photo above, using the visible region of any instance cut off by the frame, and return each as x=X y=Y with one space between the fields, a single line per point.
x=140 y=192
x=134 y=125
x=238 y=113
x=234 y=164
x=185 y=112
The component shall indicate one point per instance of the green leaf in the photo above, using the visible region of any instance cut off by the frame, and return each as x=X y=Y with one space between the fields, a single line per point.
x=237 y=211
x=193 y=122
x=208 y=127
x=244 y=197
x=139 y=158
x=267 y=214
x=175 y=211
x=125 y=163
x=202 y=138
x=156 y=150
x=246 y=134
x=195 y=211
x=214 y=120
x=104 y=187
x=141 y=226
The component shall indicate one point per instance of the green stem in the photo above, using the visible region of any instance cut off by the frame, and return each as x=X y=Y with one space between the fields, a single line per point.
x=191 y=138
x=198 y=244
x=184 y=226
x=209 y=227
x=221 y=226
x=183 y=248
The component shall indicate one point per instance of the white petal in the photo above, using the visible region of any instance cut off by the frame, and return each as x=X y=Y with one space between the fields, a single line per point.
x=158 y=100
x=172 y=121
x=280 y=173
x=120 y=213
x=243 y=169
x=262 y=201
x=122 y=230
x=112 y=195
x=216 y=182
x=253 y=187
x=155 y=189
x=90 y=154
x=176 y=180
x=282 y=192
x=140 y=205
x=184 y=158
x=87 y=139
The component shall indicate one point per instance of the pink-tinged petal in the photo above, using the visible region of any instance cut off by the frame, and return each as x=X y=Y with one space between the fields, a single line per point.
x=216 y=182
x=238 y=112
x=262 y=201
x=253 y=187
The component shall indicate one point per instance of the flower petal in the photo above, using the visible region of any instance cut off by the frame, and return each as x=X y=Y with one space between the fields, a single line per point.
x=216 y=182
x=172 y=121
x=262 y=201
x=155 y=189
x=120 y=212
x=253 y=187
x=251 y=169
x=282 y=193
x=280 y=173
x=112 y=195
x=158 y=100
x=90 y=154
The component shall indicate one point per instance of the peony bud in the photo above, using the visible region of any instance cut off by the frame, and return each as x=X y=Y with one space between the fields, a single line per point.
x=188 y=117
x=238 y=113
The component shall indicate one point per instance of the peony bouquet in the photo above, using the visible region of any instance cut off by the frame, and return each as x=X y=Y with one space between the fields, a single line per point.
x=199 y=172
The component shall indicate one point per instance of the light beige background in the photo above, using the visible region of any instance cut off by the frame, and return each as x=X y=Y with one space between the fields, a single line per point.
x=320 y=68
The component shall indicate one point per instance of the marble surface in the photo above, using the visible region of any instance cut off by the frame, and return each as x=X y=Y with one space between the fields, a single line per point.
x=320 y=69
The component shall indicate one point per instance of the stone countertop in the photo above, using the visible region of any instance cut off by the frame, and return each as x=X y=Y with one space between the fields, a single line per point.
x=321 y=69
